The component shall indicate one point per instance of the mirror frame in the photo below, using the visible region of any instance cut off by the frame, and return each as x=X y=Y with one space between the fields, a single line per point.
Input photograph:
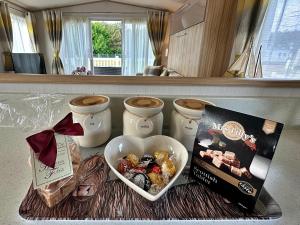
x=147 y=80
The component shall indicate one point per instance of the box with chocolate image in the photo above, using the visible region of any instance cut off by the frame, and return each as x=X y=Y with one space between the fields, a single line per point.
x=232 y=153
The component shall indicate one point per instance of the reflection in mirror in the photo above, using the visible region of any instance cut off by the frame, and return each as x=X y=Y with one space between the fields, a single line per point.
x=186 y=38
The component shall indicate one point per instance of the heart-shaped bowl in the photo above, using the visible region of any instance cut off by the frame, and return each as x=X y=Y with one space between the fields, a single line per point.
x=121 y=146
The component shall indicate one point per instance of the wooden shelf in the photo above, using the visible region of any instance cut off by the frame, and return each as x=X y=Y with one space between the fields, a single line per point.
x=133 y=80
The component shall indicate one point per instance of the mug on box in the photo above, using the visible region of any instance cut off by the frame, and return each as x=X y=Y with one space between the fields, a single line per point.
x=232 y=153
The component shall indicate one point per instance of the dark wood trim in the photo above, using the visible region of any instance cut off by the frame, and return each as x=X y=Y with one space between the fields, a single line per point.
x=133 y=80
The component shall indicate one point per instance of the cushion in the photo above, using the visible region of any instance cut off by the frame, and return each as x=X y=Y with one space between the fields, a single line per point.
x=152 y=71
x=174 y=74
x=164 y=73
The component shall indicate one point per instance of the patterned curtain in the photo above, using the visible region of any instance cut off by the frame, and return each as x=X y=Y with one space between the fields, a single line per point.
x=157 y=27
x=53 y=20
x=31 y=26
x=246 y=59
x=6 y=36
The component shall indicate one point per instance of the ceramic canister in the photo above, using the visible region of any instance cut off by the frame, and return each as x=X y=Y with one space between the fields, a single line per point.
x=185 y=120
x=142 y=116
x=94 y=115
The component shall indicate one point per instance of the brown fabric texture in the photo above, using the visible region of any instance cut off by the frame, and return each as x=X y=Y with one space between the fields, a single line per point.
x=157 y=27
x=31 y=26
x=6 y=36
x=114 y=200
x=53 y=21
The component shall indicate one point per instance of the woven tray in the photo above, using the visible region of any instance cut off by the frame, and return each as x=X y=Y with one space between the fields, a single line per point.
x=114 y=200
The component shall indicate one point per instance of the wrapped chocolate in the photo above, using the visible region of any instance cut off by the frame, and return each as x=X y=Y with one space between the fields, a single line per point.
x=150 y=172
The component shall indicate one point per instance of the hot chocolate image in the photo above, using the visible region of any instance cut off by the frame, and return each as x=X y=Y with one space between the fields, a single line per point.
x=144 y=102
x=191 y=103
x=88 y=100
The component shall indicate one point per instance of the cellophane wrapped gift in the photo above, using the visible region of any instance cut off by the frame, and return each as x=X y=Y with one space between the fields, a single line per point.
x=32 y=114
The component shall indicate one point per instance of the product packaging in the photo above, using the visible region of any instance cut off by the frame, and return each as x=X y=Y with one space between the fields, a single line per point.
x=232 y=153
x=55 y=156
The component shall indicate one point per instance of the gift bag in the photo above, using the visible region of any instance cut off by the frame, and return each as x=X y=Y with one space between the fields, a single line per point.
x=55 y=156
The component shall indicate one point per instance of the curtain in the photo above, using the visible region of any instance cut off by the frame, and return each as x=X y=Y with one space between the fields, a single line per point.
x=22 y=42
x=31 y=26
x=53 y=22
x=6 y=36
x=75 y=49
x=244 y=54
x=137 y=52
x=157 y=27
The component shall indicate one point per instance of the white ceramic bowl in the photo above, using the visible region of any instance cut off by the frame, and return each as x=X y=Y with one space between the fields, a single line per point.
x=143 y=111
x=123 y=145
x=90 y=108
x=191 y=113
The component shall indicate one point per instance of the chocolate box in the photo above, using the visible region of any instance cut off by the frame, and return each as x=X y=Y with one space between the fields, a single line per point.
x=232 y=153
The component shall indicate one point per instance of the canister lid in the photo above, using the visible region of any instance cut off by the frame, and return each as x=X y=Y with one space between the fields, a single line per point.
x=144 y=106
x=192 y=108
x=89 y=104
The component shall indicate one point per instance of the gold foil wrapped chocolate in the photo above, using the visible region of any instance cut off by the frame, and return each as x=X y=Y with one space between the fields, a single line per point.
x=133 y=159
x=161 y=156
x=156 y=179
x=168 y=168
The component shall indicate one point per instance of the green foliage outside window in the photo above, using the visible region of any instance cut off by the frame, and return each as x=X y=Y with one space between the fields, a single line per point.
x=106 y=38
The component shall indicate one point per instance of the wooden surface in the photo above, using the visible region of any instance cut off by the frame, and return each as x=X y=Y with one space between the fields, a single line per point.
x=184 y=51
x=204 y=50
x=218 y=37
x=133 y=80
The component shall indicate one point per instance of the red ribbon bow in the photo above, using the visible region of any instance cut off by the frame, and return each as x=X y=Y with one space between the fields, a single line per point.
x=44 y=143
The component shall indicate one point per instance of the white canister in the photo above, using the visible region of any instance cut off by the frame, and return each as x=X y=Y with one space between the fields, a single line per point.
x=94 y=115
x=185 y=120
x=143 y=116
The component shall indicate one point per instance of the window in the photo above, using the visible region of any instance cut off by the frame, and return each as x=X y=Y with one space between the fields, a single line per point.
x=137 y=49
x=107 y=47
x=21 y=39
x=110 y=47
x=121 y=46
x=75 y=50
x=280 y=40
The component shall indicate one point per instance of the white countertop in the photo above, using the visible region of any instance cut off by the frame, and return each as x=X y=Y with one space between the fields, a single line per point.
x=282 y=183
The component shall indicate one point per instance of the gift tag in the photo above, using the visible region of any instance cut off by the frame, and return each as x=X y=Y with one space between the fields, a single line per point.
x=190 y=127
x=92 y=123
x=145 y=126
x=44 y=175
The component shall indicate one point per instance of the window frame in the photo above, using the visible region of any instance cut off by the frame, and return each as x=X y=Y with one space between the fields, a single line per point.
x=18 y=13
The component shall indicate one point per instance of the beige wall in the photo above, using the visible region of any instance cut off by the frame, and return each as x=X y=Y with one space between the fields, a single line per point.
x=192 y=14
x=104 y=7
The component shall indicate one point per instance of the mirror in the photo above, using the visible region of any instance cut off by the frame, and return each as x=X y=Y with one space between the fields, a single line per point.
x=186 y=38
